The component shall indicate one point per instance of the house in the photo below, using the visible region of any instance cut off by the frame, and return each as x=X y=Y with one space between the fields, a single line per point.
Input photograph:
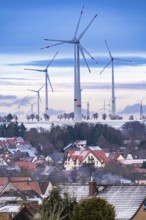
x=19 y=197
x=129 y=201
x=115 y=157
x=43 y=188
x=77 y=145
x=76 y=158
x=56 y=158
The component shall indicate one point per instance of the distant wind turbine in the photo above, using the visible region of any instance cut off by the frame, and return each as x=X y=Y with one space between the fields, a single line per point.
x=141 y=109
x=31 y=105
x=78 y=48
x=47 y=79
x=112 y=59
x=38 y=99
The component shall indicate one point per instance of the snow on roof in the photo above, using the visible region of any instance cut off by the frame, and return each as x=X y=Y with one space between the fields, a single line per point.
x=125 y=199
x=10 y=208
x=94 y=148
x=133 y=161
x=75 y=191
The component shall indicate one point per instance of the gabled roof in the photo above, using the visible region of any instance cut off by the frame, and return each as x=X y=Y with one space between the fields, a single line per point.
x=126 y=199
x=113 y=157
x=43 y=186
x=82 y=154
x=76 y=191
x=77 y=154
x=57 y=157
x=27 y=185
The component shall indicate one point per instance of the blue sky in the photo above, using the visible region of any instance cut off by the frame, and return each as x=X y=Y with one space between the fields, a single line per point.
x=24 y=24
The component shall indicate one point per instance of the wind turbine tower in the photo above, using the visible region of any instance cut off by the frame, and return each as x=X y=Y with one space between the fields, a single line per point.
x=88 y=110
x=112 y=59
x=47 y=79
x=38 y=99
x=31 y=105
x=78 y=49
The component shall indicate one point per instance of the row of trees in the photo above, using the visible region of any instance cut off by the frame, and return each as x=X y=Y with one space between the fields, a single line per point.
x=32 y=117
x=95 y=116
x=13 y=129
x=58 y=137
x=96 y=135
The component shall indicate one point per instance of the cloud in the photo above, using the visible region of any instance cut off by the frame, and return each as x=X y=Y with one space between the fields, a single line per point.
x=7 y=97
x=17 y=101
x=102 y=59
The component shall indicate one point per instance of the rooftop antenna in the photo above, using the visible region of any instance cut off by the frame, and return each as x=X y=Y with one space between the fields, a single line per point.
x=78 y=48
x=47 y=79
x=38 y=99
x=112 y=59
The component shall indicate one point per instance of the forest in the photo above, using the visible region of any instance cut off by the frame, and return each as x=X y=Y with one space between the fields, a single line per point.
x=58 y=137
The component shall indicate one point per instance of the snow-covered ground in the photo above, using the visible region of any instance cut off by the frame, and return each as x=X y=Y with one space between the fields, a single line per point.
x=46 y=125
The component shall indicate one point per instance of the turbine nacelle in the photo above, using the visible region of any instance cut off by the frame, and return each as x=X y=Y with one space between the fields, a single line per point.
x=78 y=48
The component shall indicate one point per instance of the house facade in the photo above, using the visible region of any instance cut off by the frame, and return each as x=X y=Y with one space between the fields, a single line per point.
x=76 y=158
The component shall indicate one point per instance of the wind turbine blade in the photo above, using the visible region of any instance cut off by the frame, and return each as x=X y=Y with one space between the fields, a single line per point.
x=52 y=60
x=89 y=54
x=84 y=58
x=32 y=90
x=105 y=67
x=41 y=87
x=49 y=82
x=34 y=70
x=52 y=45
x=81 y=35
x=60 y=41
x=108 y=50
x=129 y=61
x=78 y=24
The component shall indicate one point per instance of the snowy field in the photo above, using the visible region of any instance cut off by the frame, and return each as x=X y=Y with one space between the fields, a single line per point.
x=46 y=125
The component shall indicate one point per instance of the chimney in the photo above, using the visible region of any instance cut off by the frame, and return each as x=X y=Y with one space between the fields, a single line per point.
x=92 y=187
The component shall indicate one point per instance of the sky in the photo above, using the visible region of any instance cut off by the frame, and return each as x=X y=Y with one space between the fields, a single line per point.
x=24 y=26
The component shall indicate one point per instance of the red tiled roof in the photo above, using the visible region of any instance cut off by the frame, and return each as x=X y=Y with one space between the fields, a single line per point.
x=17 y=179
x=100 y=155
x=27 y=185
x=82 y=154
x=26 y=164
x=3 y=181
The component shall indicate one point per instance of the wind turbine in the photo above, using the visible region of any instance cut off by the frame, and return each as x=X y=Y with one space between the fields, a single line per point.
x=78 y=48
x=38 y=99
x=47 y=78
x=112 y=59
x=141 y=109
x=31 y=105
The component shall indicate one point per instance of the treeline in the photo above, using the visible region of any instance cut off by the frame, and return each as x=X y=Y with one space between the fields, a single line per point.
x=59 y=137
x=12 y=129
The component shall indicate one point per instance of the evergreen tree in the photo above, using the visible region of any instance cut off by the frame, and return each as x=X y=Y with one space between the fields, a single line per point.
x=55 y=207
x=95 y=209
